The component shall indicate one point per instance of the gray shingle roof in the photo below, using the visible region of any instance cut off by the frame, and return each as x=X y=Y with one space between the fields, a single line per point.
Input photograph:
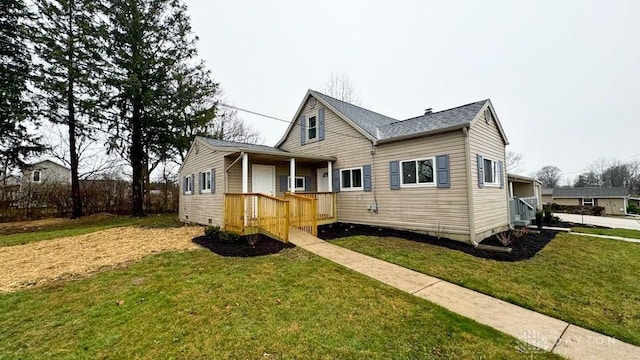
x=382 y=127
x=239 y=145
x=367 y=120
x=547 y=191
x=461 y=115
x=580 y=192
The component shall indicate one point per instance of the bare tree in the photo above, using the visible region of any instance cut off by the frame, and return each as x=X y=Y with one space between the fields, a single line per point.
x=514 y=160
x=549 y=176
x=93 y=160
x=340 y=87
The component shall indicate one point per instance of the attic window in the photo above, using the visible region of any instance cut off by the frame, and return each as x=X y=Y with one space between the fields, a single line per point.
x=36 y=176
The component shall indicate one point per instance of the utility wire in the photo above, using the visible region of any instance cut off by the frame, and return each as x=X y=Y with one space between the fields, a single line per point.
x=282 y=120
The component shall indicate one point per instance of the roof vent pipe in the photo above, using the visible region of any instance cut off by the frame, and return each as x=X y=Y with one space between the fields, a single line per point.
x=428 y=111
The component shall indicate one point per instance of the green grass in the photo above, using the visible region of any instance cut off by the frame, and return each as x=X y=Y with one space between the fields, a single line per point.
x=200 y=305
x=80 y=227
x=625 y=233
x=585 y=281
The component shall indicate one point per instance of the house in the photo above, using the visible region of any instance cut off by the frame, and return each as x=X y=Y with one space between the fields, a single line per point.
x=547 y=196
x=613 y=200
x=440 y=173
x=525 y=199
x=46 y=172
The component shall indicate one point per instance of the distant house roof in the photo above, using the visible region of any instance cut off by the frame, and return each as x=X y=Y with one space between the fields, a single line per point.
x=384 y=128
x=580 y=192
x=46 y=162
x=547 y=191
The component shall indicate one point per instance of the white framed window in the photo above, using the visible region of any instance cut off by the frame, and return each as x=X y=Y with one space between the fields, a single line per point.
x=588 y=202
x=188 y=186
x=312 y=128
x=205 y=181
x=300 y=183
x=491 y=172
x=36 y=176
x=417 y=172
x=351 y=179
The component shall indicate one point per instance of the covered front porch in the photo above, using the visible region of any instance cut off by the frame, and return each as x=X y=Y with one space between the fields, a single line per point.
x=524 y=199
x=268 y=191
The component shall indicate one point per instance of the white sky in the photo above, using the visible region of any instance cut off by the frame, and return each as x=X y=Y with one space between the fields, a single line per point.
x=562 y=75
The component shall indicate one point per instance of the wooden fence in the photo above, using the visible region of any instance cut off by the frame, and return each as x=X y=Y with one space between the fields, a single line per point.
x=303 y=212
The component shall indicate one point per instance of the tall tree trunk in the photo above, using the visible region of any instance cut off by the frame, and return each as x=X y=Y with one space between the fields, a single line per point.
x=137 y=160
x=76 y=199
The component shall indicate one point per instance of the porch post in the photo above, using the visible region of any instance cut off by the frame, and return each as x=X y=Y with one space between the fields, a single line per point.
x=511 y=188
x=245 y=173
x=330 y=175
x=292 y=175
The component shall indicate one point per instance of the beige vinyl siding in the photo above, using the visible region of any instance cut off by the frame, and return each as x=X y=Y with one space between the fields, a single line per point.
x=491 y=209
x=202 y=208
x=547 y=199
x=234 y=176
x=350 y=148
x=566 y=201
x=423 y=208
x=612 y=206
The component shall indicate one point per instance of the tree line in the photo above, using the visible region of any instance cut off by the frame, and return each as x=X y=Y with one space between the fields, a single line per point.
x=125 y=72
x=601 y=173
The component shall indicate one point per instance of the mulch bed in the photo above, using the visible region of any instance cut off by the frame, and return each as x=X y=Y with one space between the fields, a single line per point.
x=264 y=246
x=523 y=248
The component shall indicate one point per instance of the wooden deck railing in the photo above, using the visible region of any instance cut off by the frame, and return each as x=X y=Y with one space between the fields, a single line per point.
x=257 y=213
x=327 y=205
x=303 y=212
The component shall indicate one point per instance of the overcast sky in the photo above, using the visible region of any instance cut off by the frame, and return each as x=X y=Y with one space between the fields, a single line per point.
x=563 y=76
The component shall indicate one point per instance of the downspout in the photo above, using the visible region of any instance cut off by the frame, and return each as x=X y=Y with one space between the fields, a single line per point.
x=467 y=155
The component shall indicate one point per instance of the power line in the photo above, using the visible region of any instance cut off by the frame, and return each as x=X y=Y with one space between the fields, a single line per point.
x=282 y=120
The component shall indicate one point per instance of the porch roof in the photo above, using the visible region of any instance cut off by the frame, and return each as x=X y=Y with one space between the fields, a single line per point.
x=263 y=150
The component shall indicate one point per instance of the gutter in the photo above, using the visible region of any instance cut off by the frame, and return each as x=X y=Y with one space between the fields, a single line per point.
x=467 y=155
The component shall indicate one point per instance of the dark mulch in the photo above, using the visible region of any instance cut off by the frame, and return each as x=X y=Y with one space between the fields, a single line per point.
x=264 y=246
x=523 y=248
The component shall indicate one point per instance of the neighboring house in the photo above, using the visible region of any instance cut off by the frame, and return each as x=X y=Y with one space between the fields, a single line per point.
x=526 y=199
x=613 y=200
x=547 y=196
x=440 y=173
x=46 y=172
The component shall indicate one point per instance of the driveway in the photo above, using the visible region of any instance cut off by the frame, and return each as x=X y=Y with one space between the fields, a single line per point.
x=621 y=222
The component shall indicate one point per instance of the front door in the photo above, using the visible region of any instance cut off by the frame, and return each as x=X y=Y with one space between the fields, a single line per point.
x=264 y=179
x=323 y=179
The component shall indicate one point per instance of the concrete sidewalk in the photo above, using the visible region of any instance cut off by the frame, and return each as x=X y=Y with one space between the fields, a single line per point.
x=528 y=326
x=612 y=222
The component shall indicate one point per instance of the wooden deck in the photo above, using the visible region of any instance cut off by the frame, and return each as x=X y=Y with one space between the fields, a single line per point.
x=254 y=213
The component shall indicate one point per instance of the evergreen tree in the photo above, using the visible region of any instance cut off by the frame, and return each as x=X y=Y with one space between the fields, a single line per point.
x=15 y=72
x=68 y=46
x=158 y=83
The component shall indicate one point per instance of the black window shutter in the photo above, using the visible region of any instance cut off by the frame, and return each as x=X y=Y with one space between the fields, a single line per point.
x=366 y=178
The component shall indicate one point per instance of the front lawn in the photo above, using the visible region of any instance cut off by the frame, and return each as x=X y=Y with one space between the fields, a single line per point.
x=582 y=280
x=625 y=233
x=198 y=304
x=64 y=228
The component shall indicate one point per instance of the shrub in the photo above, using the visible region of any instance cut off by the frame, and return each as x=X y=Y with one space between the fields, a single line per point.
x=632 y=209
x=597 y=210
x=228 y=237
x=548 y=216
x=505 y=238
x=539 y=218
x=212 y=232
